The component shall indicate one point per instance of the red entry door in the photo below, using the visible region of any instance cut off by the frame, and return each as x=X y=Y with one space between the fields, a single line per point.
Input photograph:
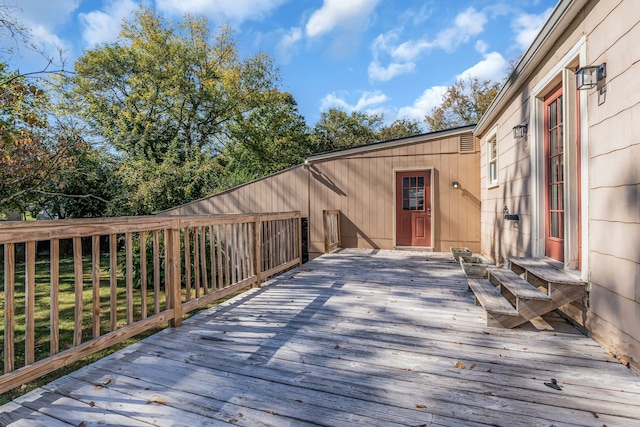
x=413 y=208
x=554 y=175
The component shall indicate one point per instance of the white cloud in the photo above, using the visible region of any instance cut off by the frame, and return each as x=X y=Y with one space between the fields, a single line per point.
x=430 y=98
x=492 y=67
x=287 y=44
x=379 y=73
x=103 y=26
x=527 y=26
x=235 y=10
x=466 y=25
x=42 y=19
x=346 y=14
x=410 y=50
x=366 y=101
x=43 y=36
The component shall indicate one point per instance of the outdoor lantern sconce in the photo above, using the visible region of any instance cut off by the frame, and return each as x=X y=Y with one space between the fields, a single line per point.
x=520 y=131
x=455 y=185
x=589 y=76
x=509 y=217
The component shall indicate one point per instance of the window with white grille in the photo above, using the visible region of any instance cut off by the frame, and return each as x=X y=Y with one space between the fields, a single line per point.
x=492 y=160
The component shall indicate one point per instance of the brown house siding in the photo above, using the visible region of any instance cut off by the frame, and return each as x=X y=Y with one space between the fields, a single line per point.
x=604 y=31
x=360 y=183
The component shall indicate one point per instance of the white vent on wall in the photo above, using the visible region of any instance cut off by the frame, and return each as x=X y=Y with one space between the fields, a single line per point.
x=467 y=143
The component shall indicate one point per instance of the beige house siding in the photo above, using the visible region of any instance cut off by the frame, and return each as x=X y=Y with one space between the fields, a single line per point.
x=360 y=183
x=601 y=31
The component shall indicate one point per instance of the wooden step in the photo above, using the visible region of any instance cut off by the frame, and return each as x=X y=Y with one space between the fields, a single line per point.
x=544 y=271
x=490 y=298
x=519 y=288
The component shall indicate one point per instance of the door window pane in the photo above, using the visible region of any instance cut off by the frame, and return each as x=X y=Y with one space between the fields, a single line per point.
x=413 y=193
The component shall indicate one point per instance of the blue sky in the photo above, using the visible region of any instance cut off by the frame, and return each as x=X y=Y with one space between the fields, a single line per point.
x=386 y=56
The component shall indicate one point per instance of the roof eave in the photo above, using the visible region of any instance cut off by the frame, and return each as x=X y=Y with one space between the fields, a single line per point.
x=389 y=144
x=559 y=20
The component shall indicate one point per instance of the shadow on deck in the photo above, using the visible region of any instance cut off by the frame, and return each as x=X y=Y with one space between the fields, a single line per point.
x=353 y=337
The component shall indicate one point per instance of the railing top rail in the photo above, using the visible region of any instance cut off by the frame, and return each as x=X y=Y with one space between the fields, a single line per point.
x=23 y=231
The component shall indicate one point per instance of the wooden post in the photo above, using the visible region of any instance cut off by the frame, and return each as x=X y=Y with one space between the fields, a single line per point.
x=299 y=238
x=338 y=232
x=257 y=250
x=325 y=230
x=173 y=280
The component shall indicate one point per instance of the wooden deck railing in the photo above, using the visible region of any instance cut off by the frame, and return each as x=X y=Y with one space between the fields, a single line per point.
x=331 y=226
x=97 y=282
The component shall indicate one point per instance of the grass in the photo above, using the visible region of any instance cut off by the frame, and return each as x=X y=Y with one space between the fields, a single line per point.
x=66 y=315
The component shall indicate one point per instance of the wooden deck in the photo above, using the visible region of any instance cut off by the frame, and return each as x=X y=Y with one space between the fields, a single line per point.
x=352 y=338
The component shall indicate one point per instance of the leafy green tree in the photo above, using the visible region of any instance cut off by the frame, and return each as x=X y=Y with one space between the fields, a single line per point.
x=91 y=189
x=31 y=156
x=167 y=85
x=463 y=103
x=270 y=138
x=177 y=102
x=337 y=129
x=400 y=128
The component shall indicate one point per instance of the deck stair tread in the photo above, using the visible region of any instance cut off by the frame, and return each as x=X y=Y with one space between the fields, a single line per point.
x=490 y=298
x=518 y=287
x=545 y=271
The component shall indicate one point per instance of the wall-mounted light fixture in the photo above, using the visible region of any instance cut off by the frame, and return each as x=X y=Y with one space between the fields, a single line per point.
x=509 y=217
x=520 y=131
x=589 y=76
x=455 y=185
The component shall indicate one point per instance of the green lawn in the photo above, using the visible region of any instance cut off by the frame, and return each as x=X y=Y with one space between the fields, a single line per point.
x=66 y=315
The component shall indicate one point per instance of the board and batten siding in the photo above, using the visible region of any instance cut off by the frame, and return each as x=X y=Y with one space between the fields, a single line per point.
x=360 y=183
x=600 y=32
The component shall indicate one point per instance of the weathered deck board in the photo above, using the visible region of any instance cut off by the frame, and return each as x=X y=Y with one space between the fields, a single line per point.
x=352 y=338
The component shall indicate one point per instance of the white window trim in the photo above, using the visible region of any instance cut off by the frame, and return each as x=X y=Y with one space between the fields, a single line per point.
x=493 y=134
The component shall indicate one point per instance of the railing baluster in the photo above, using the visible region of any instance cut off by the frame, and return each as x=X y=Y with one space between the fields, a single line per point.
x=187 y=262
x=54 y=312
x=219 y=256
x=113 y=282
x=30 y=303
x=212 y=259
x=234 y=248
x=143 y=274
x=95 y=284
x=196 y=260
x=9 y=307
x=78 y=286
x=203 y=259
x=129 y=276
x=156 y=272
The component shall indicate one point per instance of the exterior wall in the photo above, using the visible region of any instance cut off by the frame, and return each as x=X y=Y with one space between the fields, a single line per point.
x=272 y=194
x=610 y=138
x=361 y=186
